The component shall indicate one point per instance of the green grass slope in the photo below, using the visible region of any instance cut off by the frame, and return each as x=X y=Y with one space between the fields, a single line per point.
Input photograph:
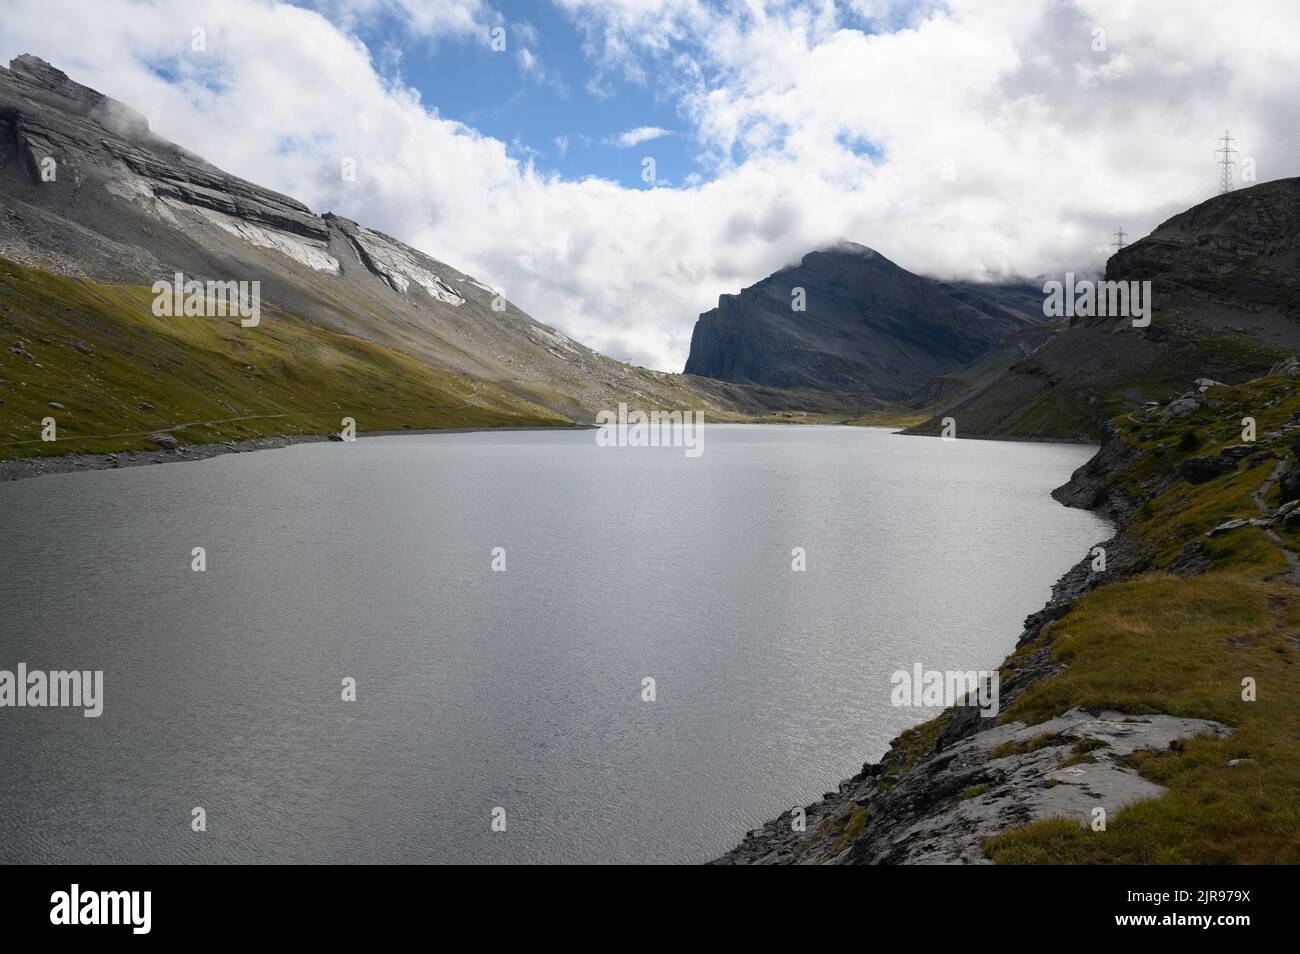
x=1162 y=642
x=122 y=374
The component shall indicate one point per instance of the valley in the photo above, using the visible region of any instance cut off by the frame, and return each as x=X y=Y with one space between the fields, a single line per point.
x=1127 y=691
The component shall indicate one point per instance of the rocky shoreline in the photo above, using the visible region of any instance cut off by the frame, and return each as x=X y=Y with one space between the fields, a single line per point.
x=27 y=467
x=946 y=785
x=23 y=468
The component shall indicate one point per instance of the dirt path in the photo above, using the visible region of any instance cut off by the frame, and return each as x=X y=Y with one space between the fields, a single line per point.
x=1261 y=492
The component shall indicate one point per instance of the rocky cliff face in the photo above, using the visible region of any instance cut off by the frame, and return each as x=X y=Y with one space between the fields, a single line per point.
x=83 y=178
x=1226 y=292
x=1239 y=251
x=868 y=326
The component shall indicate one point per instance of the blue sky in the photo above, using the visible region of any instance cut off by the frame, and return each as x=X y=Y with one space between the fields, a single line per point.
x=563 y=100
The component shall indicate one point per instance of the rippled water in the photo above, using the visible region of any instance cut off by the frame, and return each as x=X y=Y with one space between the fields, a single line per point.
x=519 y=689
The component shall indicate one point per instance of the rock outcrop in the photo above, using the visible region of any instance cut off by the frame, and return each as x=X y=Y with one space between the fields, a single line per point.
x=942 y=806
x=847 y=319
x=1200 y=470
x=1225 y=291
x=1289 y=482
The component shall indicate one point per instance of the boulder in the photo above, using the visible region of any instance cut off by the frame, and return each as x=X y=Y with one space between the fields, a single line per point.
x=1289 y=483
x=1290 y=367
x=1227 y=526
x=1237 y=451
x=1200 y=470
x=1193 y=560
x=1180 y=407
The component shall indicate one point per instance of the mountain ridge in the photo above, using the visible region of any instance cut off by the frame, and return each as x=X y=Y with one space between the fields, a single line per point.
x=846 y=319
x=88 y=191
x=1226 y=306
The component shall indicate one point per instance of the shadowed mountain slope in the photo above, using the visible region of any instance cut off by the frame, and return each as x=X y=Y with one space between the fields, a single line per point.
x=1226 y=305
x=868 y=327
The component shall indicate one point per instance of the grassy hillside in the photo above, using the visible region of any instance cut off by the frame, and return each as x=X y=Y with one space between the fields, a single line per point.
x=1093 y=372
x=901 y=418
x=1162 y=642
x=122 y=374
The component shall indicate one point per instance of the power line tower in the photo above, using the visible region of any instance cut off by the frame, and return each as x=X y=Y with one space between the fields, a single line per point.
x=1119 y=242
x=1226 y=163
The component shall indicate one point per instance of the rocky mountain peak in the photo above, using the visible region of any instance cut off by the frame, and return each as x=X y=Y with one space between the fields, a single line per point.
x=44 y=83
x=846 y=319
x=845 y=246
x=38 y=70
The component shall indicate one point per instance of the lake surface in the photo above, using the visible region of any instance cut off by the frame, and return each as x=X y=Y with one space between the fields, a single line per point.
x=519 y=689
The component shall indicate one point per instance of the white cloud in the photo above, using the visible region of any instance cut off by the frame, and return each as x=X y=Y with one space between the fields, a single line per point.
x=528 y=62
x=426 y=18
x=633 y=137
x=811 y=129
x=525 y=32
x=531 y=66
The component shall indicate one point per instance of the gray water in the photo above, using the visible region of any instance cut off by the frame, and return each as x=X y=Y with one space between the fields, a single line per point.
x=518 y=689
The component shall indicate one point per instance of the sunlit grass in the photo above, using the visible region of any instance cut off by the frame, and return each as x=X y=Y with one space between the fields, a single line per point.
x=1160 y=643
x=122 y=373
